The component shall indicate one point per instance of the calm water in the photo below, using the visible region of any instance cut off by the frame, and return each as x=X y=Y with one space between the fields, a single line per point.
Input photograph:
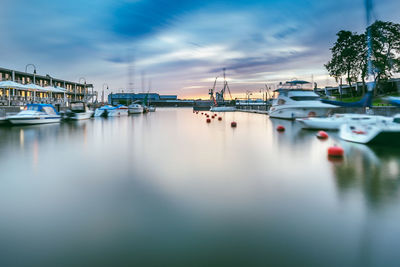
x=167 y=189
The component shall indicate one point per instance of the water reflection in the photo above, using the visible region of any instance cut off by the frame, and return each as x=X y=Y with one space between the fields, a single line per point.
x=168 y=189
x=372 y=170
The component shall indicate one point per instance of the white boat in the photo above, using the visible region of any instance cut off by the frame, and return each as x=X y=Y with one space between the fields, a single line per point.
x=78 y=111
x=382 y=131
x=151 y=108
x=334 y=122
x=135 y=108
x=118 y=111
x=295 y=102
x=222 y=109
x=36 y=114
x=110 y=111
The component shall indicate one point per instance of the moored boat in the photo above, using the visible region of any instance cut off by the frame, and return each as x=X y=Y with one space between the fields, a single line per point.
x=36 y=114
x=78 y=111
x=135 y=108
x=111 y=111
x=335 y=121
x=151 y=108
x=294 y=101
x=118 y=111
x=381 y=131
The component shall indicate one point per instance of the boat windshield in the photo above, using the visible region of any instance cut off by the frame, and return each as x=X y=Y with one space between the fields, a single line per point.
x=303 y=96
x=77 y=107
x=33 y=108
x=49 y=110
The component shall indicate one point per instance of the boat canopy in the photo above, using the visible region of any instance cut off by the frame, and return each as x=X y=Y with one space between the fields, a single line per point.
x=49 y=109
x=297 y=82
x=107 y=107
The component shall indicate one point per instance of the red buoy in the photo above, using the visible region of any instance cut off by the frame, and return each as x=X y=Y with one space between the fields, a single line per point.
x=322 y=135
x=213 y=117
x=202 y=113
x=233 y=124
x=197 y=112
x=280 y=128
x=208 y=120
x=335 y=151
x=220 y=118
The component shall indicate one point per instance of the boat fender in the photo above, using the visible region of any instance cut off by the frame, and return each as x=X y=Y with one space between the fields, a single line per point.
x=335 y=151
x=280 y=128
x=322 y=135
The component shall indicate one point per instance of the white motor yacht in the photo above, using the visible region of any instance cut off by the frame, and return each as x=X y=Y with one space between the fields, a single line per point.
x=381 y=131
x=135 y=108
x=36 y=114
x=78 y=111
x=294 y=101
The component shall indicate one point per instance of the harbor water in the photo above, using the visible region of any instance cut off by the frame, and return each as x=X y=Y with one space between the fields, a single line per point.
x=168 y=189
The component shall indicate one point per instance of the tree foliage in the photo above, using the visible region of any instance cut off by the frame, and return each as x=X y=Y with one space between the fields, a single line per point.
x=349 y=53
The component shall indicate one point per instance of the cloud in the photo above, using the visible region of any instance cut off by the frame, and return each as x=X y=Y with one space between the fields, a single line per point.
x=180 y=44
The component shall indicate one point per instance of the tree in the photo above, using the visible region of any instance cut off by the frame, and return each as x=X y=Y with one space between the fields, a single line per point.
x=362 y=58
x=385 y=40
x=346 y=56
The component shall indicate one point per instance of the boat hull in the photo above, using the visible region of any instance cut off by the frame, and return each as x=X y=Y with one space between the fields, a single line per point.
x=81 y=116
x=371 y=134
x=117 y=113
x=292 y=113
x=34 y=120
x=135 y=110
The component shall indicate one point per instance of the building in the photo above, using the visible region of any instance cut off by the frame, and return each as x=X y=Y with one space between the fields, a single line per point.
x=152 y=98
x=51 y=90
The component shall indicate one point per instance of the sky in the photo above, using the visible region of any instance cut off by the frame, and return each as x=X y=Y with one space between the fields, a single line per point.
x=179 y=47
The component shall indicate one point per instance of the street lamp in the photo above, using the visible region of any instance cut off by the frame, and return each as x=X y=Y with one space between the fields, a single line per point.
x=248 y=93
x=34 y=71
x=102 y=96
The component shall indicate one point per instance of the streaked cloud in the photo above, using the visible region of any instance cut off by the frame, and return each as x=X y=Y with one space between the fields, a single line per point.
x=180 y=45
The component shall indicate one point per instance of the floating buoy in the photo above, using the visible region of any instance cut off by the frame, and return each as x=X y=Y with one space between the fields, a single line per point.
x=202 y=113
x=280 y=128
x=197 y=112
x=208 y=120
x=233 y=124
x=335 y=151
x=322 y=135
x=213 y=117
x=220 y=118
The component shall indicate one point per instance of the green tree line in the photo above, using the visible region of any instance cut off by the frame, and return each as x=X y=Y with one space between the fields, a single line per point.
x=350 y=53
